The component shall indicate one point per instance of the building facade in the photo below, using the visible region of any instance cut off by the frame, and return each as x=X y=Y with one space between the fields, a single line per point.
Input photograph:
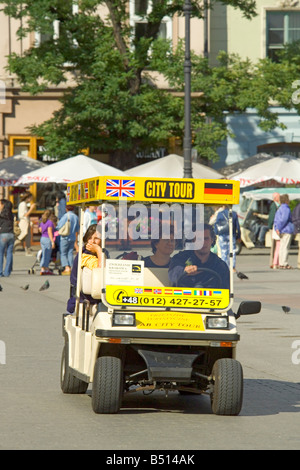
x=223 y=28
x=19 y=110
x=277 y=22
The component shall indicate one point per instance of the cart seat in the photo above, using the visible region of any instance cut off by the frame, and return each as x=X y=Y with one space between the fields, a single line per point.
x=157 y=277
x=86 y=281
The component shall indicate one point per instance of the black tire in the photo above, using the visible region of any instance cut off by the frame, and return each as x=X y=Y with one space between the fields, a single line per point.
x=107 y=385
x=227 y=394
x=68 y=382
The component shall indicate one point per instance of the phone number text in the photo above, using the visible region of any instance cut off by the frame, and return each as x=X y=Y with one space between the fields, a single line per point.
x=161 y=301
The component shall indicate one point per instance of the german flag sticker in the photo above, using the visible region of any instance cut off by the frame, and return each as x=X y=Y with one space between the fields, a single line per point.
x=216 y=191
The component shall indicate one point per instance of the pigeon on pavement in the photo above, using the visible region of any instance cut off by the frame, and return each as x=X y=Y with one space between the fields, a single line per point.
x=25 y=287
x=241 y=275
x=45 y=286
x=286 y=309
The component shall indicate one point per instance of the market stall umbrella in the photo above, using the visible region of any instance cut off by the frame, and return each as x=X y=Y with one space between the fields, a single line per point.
x=284 y=169
x=171 y=166
x=70 y=170
x=229 y=171
x=12 y=168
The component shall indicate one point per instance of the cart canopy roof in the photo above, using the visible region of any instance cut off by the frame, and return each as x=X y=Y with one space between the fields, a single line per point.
x=184 y=190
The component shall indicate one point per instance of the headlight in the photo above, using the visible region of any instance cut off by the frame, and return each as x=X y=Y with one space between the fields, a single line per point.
x=217 y=322
x=123 y=319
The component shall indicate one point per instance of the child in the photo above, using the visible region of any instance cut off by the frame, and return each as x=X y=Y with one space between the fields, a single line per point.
x=91 y=258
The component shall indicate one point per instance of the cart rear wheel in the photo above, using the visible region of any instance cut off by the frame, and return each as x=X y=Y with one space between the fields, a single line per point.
x=227 y=394
x=68 y=382
x=107 y=385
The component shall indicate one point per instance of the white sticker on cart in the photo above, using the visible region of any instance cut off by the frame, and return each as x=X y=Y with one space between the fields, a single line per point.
x=124 y=272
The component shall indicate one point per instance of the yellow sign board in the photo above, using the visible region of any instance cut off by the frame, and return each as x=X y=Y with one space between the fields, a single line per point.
x=162 y=297
x=184 y=190
x=169 y=321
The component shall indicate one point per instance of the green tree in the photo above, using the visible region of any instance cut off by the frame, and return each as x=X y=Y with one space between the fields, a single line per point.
x=114 y=104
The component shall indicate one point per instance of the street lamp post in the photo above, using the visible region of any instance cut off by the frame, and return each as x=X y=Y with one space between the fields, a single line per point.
x=187 y=141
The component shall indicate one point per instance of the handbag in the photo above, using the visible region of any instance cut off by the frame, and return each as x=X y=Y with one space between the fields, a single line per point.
x=65 y=230
x=222 y=226
x=275 y=235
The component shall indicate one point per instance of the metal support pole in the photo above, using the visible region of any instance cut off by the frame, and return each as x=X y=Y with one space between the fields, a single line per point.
x=187 y=141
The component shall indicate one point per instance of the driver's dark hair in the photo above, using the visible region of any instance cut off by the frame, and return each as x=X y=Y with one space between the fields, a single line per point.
x=155 y=241
x=211 y=231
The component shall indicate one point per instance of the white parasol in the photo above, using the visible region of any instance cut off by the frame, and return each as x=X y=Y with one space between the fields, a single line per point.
x=171 y=166
x=12 y=168
x=284 y=169
x=70 y=170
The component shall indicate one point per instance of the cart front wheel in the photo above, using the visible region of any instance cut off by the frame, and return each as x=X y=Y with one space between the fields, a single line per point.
x=107 y=385
x=227 y=393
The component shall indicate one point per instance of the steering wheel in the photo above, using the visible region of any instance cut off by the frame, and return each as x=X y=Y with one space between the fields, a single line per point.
x=204 y=278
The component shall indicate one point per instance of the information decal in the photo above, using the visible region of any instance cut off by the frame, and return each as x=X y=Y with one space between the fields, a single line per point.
x=143 y=296
x=125 y=272
x=169 y=321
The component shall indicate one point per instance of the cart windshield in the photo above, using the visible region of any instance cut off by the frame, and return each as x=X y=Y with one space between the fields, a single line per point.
x=162 y=254
x=158 y=244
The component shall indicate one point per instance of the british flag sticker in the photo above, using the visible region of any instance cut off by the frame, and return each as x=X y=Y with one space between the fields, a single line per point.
x=120 y=188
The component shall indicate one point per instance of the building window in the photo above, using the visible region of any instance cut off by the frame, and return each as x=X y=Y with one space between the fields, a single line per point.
x=282 y=27
x=138 y=10
x=57 y=27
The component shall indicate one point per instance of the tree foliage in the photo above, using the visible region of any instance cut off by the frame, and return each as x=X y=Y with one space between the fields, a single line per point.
x=114 y=103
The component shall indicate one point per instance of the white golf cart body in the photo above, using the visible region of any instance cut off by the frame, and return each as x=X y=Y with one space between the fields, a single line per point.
x=140 y=332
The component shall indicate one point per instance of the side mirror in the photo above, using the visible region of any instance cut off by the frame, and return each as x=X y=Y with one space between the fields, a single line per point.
x=248 y=308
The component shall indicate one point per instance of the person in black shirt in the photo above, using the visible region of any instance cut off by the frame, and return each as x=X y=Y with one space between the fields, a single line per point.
x=162 y=250
x=7 y=237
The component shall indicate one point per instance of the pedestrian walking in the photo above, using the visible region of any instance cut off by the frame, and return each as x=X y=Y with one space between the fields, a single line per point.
x=47 y=241
x=212 y=220
x=68 y=242
x=222 y=230
x=284 y=227
x=7 y=237
x=60 y=207
x=89 y=217
x=296 y=222
x=275 y=239
x=25 y=209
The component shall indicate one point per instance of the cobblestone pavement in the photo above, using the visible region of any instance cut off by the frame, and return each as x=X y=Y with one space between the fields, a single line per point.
x=34 y=414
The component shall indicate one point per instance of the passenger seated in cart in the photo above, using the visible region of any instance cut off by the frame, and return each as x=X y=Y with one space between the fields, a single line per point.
x=162 y=249
x=90 y=258
x=200 y=267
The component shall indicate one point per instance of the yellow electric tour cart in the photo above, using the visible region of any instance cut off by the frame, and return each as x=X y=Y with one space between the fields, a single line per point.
x=154 y=325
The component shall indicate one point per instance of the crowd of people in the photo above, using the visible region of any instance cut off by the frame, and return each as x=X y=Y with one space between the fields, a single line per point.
x=56 y=244
x=54 y=240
